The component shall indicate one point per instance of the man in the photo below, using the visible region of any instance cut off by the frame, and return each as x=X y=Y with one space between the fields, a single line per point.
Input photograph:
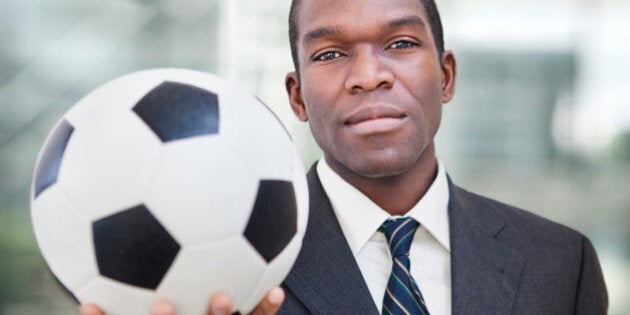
x=371 y=79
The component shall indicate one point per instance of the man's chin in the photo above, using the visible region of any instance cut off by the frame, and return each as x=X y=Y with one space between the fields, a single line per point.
x=376 y=164
x=378 y=167
x=381 y=172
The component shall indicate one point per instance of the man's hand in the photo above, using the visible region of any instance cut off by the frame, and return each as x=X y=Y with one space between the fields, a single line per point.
x=220 y=304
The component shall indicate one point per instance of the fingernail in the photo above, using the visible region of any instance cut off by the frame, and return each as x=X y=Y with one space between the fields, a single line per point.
x=275 y=296
x=162 y=308
x=218 y=311
x=89 y=309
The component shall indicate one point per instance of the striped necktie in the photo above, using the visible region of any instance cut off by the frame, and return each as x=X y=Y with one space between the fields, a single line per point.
x=402 y=295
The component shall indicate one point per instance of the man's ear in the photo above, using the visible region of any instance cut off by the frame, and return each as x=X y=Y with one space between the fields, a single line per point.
x=449 y=75
x=292 y=84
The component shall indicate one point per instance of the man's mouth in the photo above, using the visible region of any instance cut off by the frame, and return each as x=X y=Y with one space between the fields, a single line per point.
x=376 y=119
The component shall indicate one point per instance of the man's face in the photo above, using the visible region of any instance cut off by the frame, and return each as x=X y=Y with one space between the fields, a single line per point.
x=371 y=83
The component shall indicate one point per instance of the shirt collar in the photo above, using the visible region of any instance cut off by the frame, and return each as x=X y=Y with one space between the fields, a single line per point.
x=360 y=217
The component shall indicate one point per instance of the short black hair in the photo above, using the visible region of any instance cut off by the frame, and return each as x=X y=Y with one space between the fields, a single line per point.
x=429 y=5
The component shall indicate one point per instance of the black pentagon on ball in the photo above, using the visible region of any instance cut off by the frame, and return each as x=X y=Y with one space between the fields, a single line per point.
x=273 y=221
x=50 y=159
x=132 y=247
x=178 y=111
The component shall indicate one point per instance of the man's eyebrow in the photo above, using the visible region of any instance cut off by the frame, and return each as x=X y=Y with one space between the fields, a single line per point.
x=319 y=33
x=411 y=20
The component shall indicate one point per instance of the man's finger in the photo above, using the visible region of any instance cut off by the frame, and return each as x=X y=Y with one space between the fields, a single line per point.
x=162 y=307
x=271 y=303
x=220 y=304
x=90 y=309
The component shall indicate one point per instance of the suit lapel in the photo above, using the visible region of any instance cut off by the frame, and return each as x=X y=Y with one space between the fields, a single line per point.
x=326 y=277
x=484 y=271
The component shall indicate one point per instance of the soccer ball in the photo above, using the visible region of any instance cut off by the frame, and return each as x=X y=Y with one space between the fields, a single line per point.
x=173 y=184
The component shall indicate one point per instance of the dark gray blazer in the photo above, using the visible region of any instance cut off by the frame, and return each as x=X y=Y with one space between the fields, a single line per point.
x=503 y=261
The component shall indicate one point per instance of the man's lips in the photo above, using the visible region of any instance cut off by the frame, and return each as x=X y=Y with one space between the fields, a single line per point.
x=373 y=113
x=375 y=119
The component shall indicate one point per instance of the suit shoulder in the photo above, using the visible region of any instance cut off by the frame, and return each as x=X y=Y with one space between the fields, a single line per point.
x=560 y=268
x=527 y=225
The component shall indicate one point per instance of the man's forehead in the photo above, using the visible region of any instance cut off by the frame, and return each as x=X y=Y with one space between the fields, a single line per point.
x=329 y=16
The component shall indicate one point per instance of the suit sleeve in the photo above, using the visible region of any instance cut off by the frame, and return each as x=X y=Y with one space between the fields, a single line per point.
x=592 y=297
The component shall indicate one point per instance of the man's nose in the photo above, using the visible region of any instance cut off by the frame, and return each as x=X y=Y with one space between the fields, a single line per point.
x=368 y=71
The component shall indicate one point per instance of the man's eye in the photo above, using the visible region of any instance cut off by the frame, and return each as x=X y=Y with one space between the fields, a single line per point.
x=402 y=44
x=329 y=55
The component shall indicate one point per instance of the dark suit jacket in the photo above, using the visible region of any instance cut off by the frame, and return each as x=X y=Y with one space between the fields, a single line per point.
x=503 y=261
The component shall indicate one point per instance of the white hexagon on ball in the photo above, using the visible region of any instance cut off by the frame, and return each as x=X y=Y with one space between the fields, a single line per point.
x=178 y=190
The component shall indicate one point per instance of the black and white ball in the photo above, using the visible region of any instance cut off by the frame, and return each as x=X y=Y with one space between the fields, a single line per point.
x=173 y=184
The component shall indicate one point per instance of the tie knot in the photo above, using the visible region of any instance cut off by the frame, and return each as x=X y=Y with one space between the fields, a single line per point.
x=399 y=234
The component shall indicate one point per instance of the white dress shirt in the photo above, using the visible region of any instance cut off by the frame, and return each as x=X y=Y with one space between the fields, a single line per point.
x=430 y=252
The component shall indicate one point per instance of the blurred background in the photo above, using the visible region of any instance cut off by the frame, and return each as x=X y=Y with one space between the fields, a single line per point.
x=541 y=118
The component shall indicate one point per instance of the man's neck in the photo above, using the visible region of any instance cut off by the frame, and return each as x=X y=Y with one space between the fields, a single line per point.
x=397 y=194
